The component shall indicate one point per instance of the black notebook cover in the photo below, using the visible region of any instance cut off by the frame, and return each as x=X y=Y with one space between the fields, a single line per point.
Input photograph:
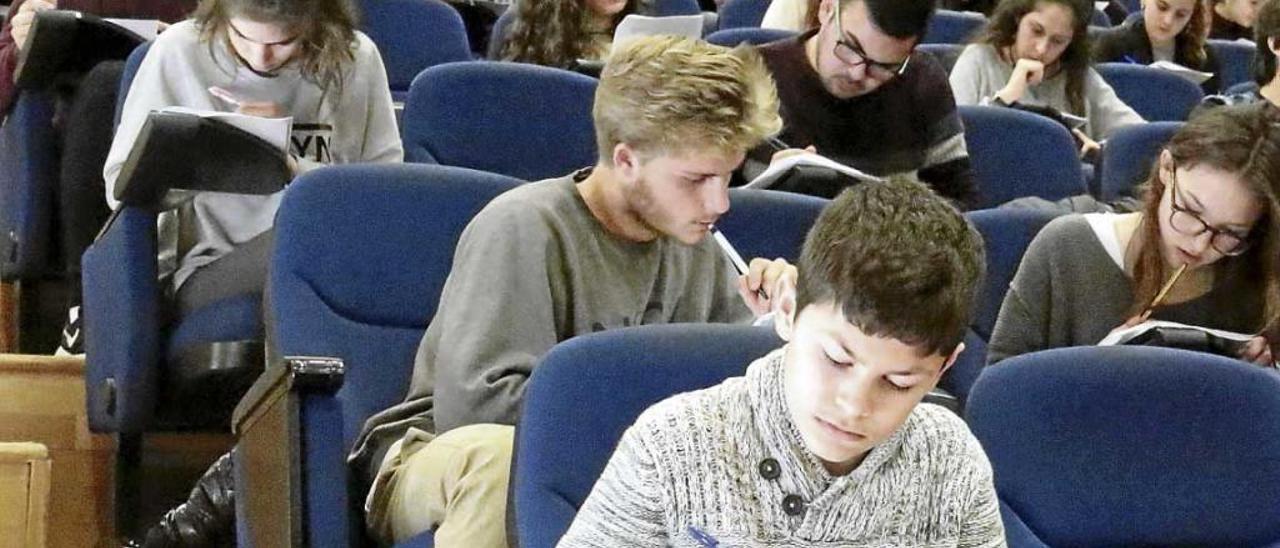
x=63 y=41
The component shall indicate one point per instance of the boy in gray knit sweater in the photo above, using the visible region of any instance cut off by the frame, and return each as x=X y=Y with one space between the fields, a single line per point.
x=822 y=442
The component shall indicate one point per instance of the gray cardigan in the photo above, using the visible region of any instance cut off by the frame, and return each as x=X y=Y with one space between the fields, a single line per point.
x=697 y=461
x=1070 y=292
x=980 y=73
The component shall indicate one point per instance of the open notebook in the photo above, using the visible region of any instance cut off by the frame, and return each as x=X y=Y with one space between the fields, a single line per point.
x=1179 y=335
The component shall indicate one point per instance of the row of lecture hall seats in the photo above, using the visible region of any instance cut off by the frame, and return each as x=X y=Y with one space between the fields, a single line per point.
x=365 y=288
x=1090 y=446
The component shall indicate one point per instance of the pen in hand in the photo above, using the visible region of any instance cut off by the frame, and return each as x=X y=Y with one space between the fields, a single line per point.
x=738 y=264
x=225 y=96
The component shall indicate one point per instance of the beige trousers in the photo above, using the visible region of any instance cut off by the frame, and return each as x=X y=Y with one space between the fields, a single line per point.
x=455 y=484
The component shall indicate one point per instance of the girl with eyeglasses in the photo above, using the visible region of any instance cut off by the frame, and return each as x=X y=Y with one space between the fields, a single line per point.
x=1036 y=53
x=1169 y=30
x=1209 y=206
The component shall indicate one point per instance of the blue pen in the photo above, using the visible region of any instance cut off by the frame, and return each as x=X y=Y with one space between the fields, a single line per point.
x=705 y=540
x=1131 y=60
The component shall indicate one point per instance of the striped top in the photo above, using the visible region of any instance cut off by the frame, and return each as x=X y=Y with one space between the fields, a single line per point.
x=726 y=464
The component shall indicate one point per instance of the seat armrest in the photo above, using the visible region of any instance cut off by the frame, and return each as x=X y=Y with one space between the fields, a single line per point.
x=268 y=425
x=122 y=323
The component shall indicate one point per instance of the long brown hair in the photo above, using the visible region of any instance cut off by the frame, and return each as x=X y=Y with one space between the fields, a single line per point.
x=555 y=33
x=1002 y=32
x=1243 y=140
x=326 y=31
x=1190 y=42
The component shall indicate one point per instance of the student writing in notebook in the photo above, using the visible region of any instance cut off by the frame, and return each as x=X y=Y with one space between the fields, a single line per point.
x=1208 y=204
x=623 y=242
x=557 y=33
x=856 y=91
x=1169 y=30
x=1036 y=52
x=84 y=118
x=824 y=442
x=298 y=58
x=1267 y=39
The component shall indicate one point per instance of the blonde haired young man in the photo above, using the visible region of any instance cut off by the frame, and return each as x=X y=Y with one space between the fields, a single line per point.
x=622 y=243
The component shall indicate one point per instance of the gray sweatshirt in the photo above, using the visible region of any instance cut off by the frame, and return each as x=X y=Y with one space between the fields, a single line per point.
x=532 y=269
x=697 y=461
x=358 y=126
x=1070 y=290
x=980 y=73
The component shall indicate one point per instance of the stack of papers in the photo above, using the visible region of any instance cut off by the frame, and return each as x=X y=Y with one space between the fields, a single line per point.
x=147 y=29
x=777 y=168
x=272 y=130
x=1125 y=335
x=635 y=26
x=1194 y=76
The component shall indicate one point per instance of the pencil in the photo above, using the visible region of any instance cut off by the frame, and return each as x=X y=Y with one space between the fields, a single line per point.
x=738 y=264
x=1164 y=291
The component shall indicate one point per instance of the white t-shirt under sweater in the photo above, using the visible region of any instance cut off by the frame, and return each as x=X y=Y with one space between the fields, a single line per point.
x=358 y=126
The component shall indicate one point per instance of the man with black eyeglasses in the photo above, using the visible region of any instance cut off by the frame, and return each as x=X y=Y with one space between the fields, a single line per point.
x=856 y=91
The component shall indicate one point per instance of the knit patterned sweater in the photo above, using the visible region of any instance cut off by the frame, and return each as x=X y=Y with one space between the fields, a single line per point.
x=726 y=464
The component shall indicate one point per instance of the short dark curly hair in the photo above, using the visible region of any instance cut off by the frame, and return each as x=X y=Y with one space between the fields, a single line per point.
x=898 y=260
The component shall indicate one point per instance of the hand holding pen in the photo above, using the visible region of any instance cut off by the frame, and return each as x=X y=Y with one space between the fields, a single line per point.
x=762 y=281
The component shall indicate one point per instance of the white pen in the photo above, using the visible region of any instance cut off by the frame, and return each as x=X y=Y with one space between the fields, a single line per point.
x=224 y=95
x=738 y=264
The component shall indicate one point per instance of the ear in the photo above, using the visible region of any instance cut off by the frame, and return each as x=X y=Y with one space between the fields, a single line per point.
x=626 y=164
x=951 y=360
x=1274 y=45
x=784 y=318
x=825 y=9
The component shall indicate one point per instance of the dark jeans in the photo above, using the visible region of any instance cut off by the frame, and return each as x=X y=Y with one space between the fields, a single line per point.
x=88 y=123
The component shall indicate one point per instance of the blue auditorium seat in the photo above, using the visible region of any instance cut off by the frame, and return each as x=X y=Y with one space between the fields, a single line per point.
x=1006 y=233
x=1128 y=156
x=1155 y=94
x=144 y=371
x=29 y=163
x=668 y=8
x=525 y=121
x=742 y=13
x=946 y=54
x=561 y=451
x=1132 y=446
x=362 y=290
x=953 y=27
x=1000 y=142
x=1235 y=61
x=397 y=27
x=769 y=223
x=751 y=35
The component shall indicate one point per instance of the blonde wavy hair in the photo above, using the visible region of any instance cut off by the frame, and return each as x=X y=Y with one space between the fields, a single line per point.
x=659 y=94
x=326 y=32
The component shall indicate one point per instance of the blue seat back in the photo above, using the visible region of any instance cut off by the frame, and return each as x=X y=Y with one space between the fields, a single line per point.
x=1099 y=19
x=397 y=27
x=769 y=223
x=1129 y=155
x=751 y=35
x=1110 y=446
x=1155 y=94
x=1006 y=233
x=126 y=78
x=1242 y=87
x=29 y=164
x=500 y=32
x=946 y=54
x=953 y=27
x=576 y=408
x=1001 y=142
x=1235 y=61
x=742 y=13
x=525 y=121
x=668 y=8
x=362 y=253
